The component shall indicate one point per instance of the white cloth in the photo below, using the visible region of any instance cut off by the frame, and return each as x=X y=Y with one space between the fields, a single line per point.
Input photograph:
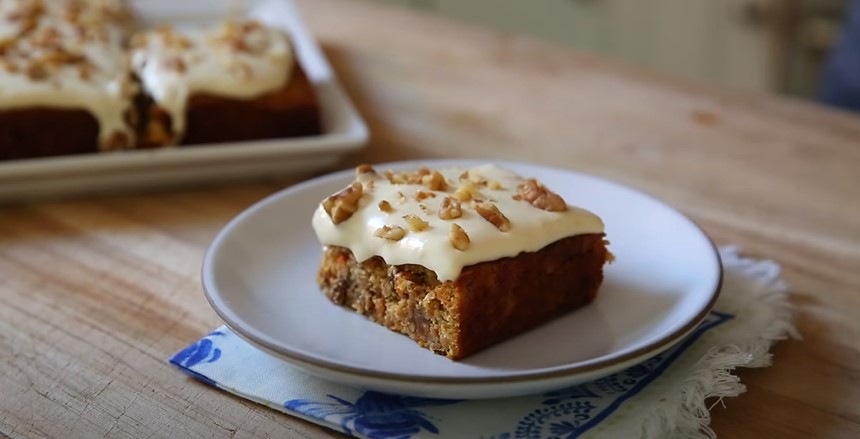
x=668 y=395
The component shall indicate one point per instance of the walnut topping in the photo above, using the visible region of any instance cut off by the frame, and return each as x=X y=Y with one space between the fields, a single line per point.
x=423 y=195
x=494 y=185
x=385 y=206
x=539 y=196
x=463 y=193
x=394 y=233
x=491 y=213
x=343 y=204
x=364 y=169
x=450 y=209
x=401 y=198
x=458 y=237
x=475 y=179
x=435 y=181
x=416 y=224
x=403 y=177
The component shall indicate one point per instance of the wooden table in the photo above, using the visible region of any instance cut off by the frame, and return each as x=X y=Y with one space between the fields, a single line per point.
x=96 y=293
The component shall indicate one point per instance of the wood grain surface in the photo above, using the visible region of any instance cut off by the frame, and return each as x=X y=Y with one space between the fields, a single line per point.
x=95 y=293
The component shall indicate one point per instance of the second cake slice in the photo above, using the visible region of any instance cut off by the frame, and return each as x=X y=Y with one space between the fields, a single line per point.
x=237 y=81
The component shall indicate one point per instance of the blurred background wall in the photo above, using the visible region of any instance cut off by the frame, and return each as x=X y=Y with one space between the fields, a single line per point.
x=776 y=46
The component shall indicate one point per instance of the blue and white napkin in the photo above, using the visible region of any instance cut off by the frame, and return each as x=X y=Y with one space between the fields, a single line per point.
x=668 y=395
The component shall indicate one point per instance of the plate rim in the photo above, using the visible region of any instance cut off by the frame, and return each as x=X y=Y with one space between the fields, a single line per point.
x=557 y=372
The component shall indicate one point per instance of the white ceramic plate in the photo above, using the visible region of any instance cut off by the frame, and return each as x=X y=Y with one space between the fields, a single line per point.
x=259 y=276
x=345 y=131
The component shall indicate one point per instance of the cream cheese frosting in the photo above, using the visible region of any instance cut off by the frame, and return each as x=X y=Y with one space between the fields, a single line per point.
x=407 y=218
x=240 y=59
x=68 y=54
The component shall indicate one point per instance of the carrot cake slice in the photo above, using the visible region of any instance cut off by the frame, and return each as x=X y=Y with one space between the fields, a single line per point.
x=457 y=259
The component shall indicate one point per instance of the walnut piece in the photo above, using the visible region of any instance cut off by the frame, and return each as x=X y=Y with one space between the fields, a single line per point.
x=364 y=169
x=403 y=177
x=539 y=196
x=463 y=193
x=491 y=213
x=394 y=233
x=385 y=206
x=458 y=237
x=343 y=204
x=450 y=209
x=423 y=195
x=435 y=181
x=416 y=224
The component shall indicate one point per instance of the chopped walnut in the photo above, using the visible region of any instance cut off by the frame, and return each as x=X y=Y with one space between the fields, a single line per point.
x=343 y=204
x=536 y=194
x=416 y=224
x=450 y=209
x=466 y=191
x=385 y=206
x=458 y=237
x=364 y=169
x=401 y=198
x=494 y=185
x=435 y=181
x=394 y=233
x=423 y=195
x=491 y=213
x=475 y=179
x=403 y=177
